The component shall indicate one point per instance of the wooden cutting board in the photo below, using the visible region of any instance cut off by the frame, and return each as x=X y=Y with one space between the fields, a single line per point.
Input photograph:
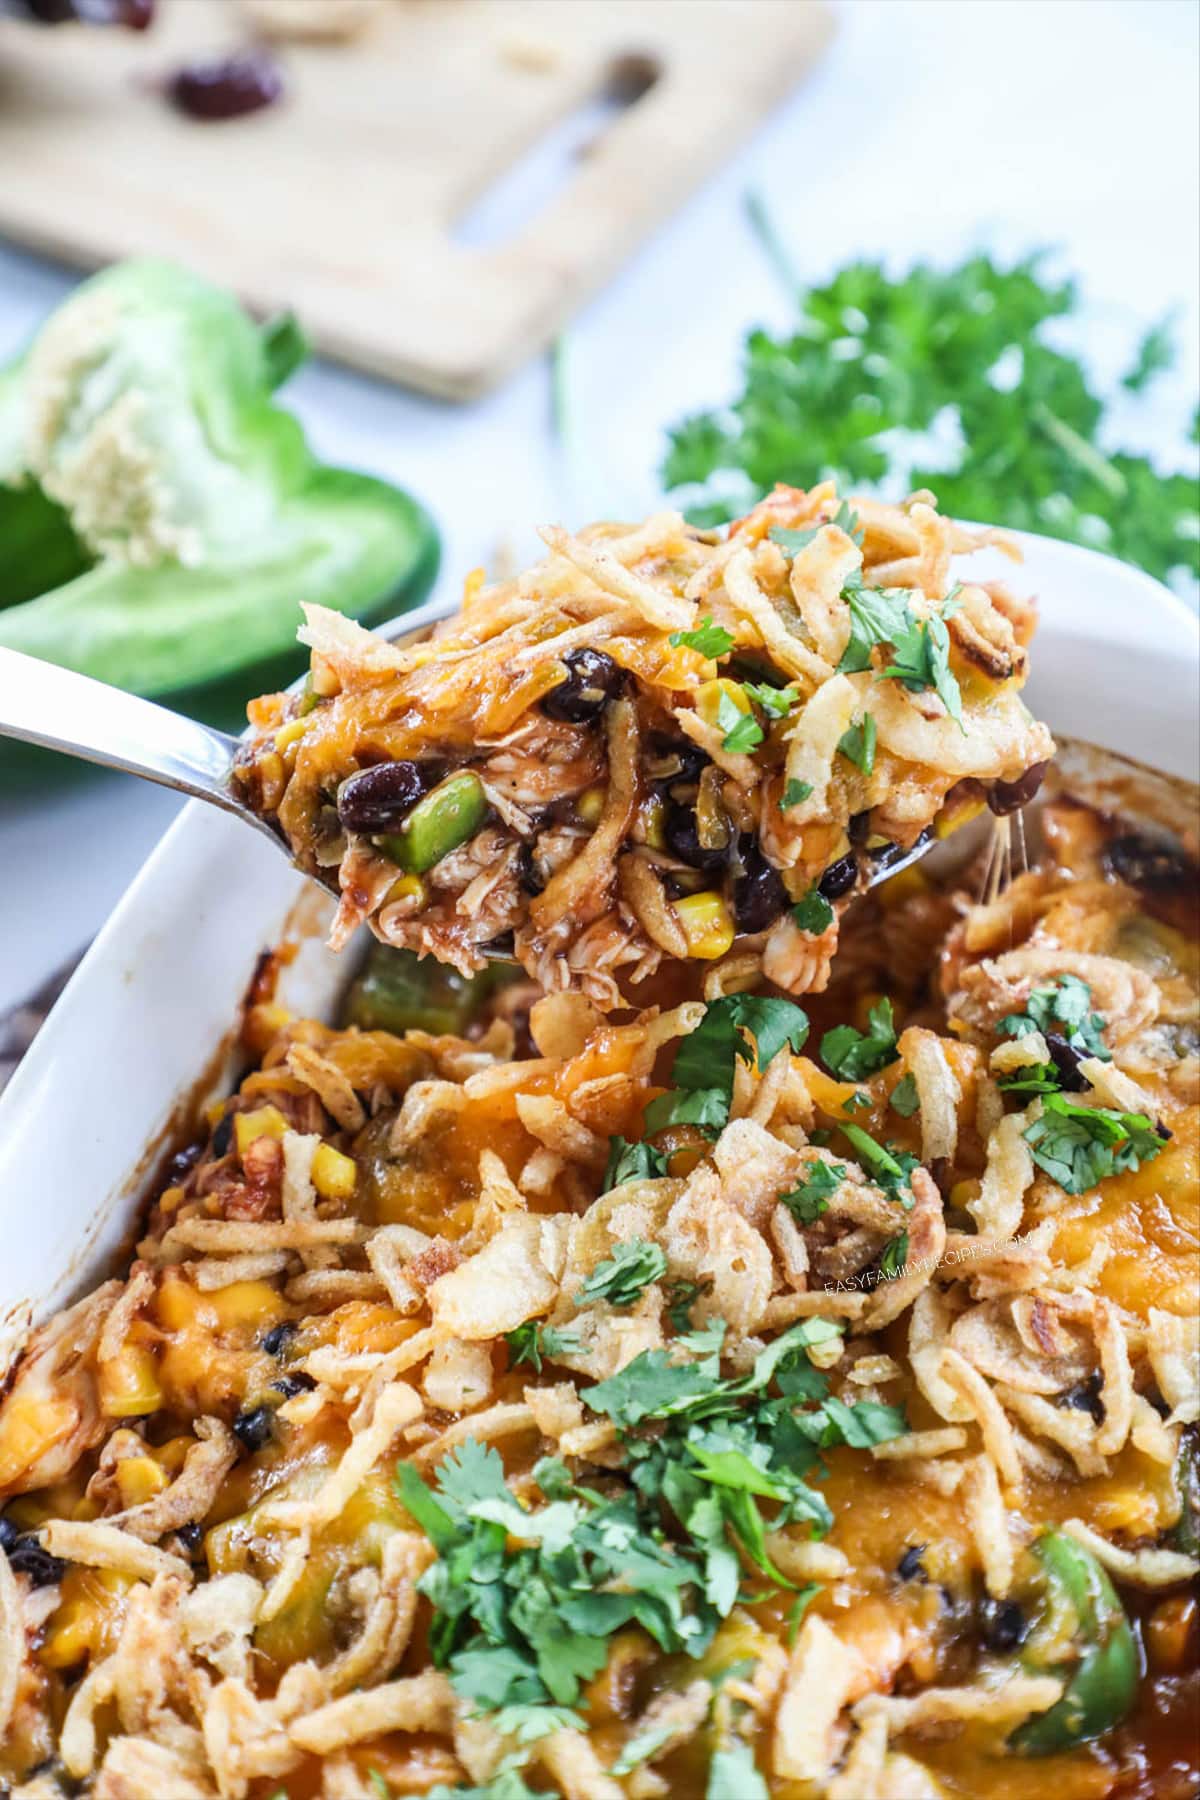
x=346 y=200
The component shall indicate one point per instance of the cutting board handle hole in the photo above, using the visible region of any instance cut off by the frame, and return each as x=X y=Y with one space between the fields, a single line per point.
x=542 y=171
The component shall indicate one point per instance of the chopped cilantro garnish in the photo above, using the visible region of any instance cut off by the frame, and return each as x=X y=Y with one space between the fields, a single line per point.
x=813 y=913
x=857 y=744
x=530 y=1342
x=704 y=1062
x=889 y=1166
x=777 y=703
x=707 y=639
x=894 y=1257
x=733 y=1773
x=921 y=659
x=631 y=1162
x=526 y=1599
x=790 y=541
x=877 y=616
x=641 y=1745
x=1032 y=1078
x=1064 y=1008
x=812 y=1197
x=794 y=793
x=857 y=1102
x=742 y=730
x=904 y=1098
x=624 y=1277
x=853 y=1055
x=680 y=1299
x=1079 y=1146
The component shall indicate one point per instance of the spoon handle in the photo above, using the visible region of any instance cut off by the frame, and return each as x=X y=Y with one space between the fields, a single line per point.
x=61 y=710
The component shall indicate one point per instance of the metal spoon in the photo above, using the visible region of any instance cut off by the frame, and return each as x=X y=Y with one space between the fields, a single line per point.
x=58 y=709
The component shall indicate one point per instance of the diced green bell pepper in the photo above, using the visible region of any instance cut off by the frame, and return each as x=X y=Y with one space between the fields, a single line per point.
x=446 y=817
x=398 y=991
x=1079 y=1606
x=170 y=516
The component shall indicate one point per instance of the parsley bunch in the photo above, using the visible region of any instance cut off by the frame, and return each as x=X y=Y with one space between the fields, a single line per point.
x=876 y=362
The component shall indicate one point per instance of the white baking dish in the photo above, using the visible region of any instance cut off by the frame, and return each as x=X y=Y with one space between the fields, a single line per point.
x=139 y=1032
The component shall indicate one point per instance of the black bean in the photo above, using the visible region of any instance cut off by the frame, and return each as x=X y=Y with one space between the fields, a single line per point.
x=1150 y=863
x=759 y=895
x=9 y=1534
x=1002 y=1626
x=27 y=1557
x=529 y=876
x=593 y=679
x=291 y=1385
x=1066 y=1059
x=182 y=1164
x=1006 y=797
x=670 y=760
x=1085 y=1397
x=222 y=1137
x=275 y=1341
x=859 y=829
x=838 y=878
x=255 y=1428
x=381 y=798
x=910 y=1567
x=225 y=87
x=191 y=1537
x=683 y=840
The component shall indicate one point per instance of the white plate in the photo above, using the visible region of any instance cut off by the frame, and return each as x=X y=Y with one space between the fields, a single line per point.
x=140 y=1027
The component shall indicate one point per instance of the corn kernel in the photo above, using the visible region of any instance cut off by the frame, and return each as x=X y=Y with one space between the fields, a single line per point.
x=214 y=1112
x=129 y=1384
x=962 y=1193
x=334 y=1175
x=706 y=924
x=948 y=821
x=30 y=1424
x=246 y=1303
x=710 y=693
x=264 y=1121
x=902 y=887
x=87 y=1619
x=590 y=805
x=169 y=1199
x=410 y=888
x=290 y=734
x=263 y=1025
x=138 y=1479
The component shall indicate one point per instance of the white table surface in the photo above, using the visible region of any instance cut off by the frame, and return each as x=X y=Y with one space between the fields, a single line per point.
x=931 y=128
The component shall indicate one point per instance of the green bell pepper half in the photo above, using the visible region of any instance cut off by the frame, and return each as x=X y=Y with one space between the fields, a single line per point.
x=1079 y=1606
x=162 y=517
